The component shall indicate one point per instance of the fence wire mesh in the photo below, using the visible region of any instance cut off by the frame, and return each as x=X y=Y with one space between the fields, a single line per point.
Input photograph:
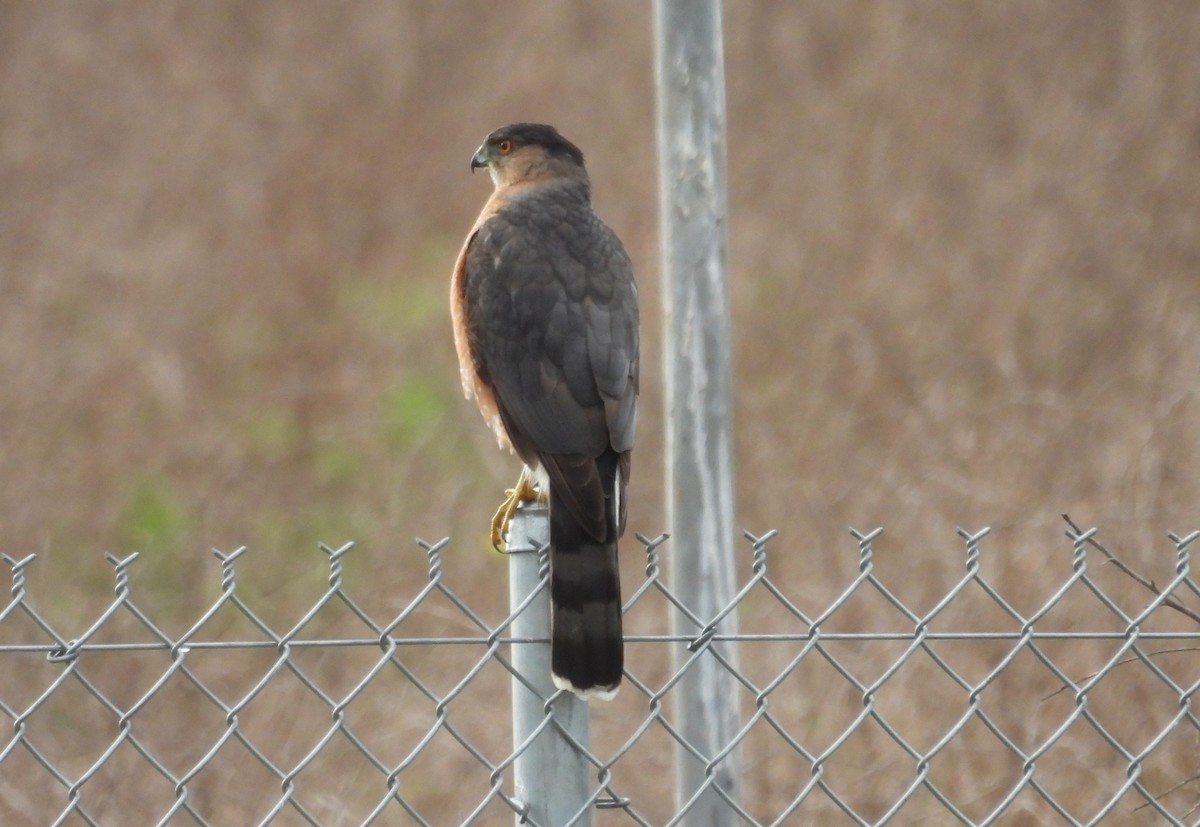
x=1067 y=702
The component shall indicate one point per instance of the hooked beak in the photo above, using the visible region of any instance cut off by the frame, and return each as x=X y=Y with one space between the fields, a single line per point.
x=479 y=159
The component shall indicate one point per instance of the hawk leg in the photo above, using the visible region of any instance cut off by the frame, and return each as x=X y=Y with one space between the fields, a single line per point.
x=524 y=492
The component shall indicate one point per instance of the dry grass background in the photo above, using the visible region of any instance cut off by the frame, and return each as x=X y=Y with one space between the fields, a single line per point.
x=965 y=273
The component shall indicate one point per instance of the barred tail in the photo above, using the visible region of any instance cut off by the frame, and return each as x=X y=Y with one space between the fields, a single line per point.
x=585 y=594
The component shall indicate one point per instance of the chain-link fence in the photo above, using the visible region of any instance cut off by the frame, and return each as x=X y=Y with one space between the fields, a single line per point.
x=1065 y=700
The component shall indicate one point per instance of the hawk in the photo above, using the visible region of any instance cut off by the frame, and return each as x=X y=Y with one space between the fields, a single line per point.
x=545 y=317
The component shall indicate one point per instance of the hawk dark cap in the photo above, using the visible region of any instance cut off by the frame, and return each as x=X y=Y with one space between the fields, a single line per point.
x=546 y=328
x=510 y=138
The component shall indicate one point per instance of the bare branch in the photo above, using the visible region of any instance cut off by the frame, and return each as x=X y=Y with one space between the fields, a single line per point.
x=1169 y=602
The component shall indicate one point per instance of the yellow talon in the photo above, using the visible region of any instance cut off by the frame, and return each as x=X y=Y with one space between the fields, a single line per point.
x=524 y=492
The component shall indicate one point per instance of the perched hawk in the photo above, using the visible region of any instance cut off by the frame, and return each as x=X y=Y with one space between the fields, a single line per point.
x=546 y=328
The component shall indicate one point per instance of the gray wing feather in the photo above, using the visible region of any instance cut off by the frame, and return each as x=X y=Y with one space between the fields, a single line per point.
x=553 y=326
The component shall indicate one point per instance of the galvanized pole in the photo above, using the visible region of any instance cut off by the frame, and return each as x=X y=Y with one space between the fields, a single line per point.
x=699 y=458
x=550 y=775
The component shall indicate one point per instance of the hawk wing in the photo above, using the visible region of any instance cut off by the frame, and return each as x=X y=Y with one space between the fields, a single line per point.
x=552 y=327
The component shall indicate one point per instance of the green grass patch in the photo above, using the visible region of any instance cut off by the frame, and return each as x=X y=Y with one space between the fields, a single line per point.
x=153 y=518
x=273 y=434
x=411 y=408
x=336 y=464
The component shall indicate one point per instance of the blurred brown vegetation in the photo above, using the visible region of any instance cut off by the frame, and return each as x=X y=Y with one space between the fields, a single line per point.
x=964 y=256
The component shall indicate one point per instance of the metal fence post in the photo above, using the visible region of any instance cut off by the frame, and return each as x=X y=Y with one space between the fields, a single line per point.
x=690 y=78
x=551 y=775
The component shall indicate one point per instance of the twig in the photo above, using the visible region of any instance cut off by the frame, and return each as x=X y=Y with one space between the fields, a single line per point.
x=1170 y=790
x=1130 y=659
x=1170 y=602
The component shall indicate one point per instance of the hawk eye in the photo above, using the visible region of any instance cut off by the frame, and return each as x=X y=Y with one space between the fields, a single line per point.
x=504 y=147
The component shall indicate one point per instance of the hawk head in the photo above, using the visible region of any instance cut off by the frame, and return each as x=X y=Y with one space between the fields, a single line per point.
x=523 y=152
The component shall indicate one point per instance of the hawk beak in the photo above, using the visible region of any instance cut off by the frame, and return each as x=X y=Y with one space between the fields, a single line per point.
x=479 y=159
